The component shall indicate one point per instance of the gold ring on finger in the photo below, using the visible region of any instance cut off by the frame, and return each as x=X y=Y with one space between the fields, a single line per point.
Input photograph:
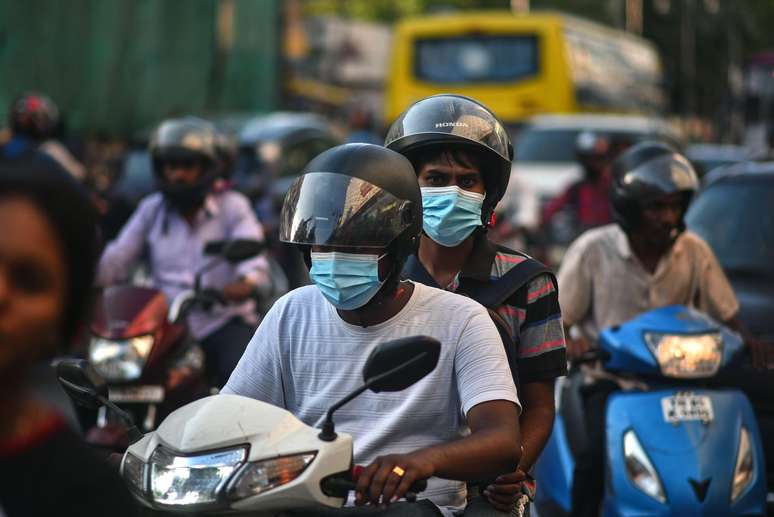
x=399 y=471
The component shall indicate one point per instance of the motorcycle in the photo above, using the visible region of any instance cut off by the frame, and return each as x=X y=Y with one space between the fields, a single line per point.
x=142 y=348
x=228 y=453
x=676 y=445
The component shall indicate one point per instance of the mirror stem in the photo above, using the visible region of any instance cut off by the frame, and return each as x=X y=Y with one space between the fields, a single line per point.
x=328 y=433
x=133 y=434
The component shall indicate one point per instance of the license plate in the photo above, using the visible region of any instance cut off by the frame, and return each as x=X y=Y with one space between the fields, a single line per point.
x=687 y=406
x=148 y=394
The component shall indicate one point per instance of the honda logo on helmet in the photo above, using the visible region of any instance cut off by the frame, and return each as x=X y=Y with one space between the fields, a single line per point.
x=450 y=124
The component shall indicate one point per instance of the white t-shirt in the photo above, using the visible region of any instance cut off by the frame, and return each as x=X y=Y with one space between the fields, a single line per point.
x=305 y=358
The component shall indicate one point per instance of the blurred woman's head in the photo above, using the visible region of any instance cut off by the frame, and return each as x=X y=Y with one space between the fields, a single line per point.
x=48 y=252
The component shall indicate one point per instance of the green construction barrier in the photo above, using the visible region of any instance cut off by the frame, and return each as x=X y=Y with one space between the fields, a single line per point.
x=117 y=66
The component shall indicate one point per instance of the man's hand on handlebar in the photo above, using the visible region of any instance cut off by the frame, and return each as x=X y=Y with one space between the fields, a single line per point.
x=390 y=477
x=238 y=291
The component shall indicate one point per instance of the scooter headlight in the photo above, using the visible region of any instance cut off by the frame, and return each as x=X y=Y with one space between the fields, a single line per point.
x=133 y=470
x=122 y=359
x=745 y=467
x=192 y=480
x=687 y=356
x=260 y=476
x=639 y=468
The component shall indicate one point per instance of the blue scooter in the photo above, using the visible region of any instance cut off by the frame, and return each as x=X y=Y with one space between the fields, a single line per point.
x=678 y=447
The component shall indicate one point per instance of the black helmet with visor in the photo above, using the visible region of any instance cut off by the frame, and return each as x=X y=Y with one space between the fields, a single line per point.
x=447 y=120
x=355 y=196
x=646 y=173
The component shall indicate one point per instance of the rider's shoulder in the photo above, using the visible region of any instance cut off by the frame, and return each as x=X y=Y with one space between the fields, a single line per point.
x=441 y=301
x=304 y=296
x=151 y=202
x=232 y=200
x=602 y=236
x=694 y=243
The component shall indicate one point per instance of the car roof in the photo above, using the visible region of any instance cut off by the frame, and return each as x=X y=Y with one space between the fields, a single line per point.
x=740 y=171
x=716 y=151
x=278 y=125
x=602 y=122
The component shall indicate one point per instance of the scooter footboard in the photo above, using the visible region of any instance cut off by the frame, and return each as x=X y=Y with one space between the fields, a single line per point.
x=673 y=452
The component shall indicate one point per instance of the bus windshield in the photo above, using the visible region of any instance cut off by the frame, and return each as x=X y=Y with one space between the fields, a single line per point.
x=479 y=58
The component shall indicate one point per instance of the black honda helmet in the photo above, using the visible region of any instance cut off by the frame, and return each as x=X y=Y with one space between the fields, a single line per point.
x=34 y=116
x=446 y=119
x=355 y=196
x=191 y=139
x=644 y=173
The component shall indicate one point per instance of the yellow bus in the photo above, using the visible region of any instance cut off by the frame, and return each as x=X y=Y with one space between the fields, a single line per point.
x=521 y=65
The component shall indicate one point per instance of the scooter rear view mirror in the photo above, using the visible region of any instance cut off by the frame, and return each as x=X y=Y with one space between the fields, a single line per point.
x=236 y=250
x=81 y=382
x=392 y=366
x=396 y=365
x=88 y=389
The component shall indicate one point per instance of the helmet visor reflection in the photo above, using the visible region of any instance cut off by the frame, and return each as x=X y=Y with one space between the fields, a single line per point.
x=665 y=175
x=329 y=209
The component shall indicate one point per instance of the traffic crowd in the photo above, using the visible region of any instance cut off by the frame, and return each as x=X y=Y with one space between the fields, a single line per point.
x=396 y=241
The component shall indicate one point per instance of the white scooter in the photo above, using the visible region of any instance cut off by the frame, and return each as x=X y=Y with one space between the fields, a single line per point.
x=228 y=453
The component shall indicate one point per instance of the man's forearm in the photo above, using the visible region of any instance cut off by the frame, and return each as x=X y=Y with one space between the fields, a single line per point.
x=536 y=420
x=486 y=453
x=536 y=424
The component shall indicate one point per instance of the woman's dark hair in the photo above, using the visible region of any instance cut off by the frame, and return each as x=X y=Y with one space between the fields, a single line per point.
x=71 y=214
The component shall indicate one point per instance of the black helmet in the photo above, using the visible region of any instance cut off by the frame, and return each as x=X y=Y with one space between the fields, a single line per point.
x=34 y=115
x=188 y=138
x=443 y=120
x=644 y=173
x=358 y=196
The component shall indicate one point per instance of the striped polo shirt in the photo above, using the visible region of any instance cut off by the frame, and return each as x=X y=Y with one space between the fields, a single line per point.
x=532 y=312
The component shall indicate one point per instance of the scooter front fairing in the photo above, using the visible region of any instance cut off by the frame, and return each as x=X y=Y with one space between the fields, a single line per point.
x=236 y=438
x=691 y=444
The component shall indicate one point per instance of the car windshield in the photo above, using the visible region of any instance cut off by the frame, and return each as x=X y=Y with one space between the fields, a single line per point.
x=737 y=220
x=472 y=59
x=546 y=145
x=535 y=144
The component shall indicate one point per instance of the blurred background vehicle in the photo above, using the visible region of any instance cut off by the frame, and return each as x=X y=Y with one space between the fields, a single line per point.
x=273 y=149
x=520 y=65
x=734 y=213
x=706 y=157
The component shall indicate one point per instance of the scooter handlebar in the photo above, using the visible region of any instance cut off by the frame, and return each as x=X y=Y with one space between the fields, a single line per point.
x=340 y=485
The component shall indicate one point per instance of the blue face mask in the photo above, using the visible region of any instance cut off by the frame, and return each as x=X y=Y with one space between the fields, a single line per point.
x=347 y=280
x=450 y=214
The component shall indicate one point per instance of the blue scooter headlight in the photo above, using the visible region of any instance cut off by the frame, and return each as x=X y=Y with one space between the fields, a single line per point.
x=745 y=467
x=687 y=356
x=639 y=468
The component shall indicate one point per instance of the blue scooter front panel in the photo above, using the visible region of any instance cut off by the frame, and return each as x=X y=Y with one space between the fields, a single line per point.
x=680 y=452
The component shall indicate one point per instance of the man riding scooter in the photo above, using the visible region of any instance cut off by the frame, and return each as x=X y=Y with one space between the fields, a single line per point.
x=645 y=260
x=356 y=215
x=170 y=228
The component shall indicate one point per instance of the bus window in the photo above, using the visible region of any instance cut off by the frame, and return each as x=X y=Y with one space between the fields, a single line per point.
x=476 y=59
